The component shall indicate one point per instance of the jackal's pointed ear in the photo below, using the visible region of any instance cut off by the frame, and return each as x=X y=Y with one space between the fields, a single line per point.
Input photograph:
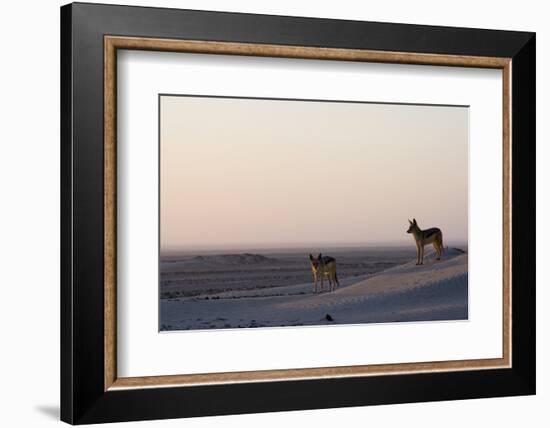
x=319 y=256
x=414 y=220
x=410 y=222
x=310 y=256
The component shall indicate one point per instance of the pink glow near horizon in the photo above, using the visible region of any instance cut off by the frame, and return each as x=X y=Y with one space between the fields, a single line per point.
x=244 y=173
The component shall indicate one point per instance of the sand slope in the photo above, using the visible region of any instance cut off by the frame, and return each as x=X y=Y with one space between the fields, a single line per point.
x=438 y=290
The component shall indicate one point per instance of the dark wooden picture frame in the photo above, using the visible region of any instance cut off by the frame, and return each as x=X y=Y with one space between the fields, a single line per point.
x=90 y=389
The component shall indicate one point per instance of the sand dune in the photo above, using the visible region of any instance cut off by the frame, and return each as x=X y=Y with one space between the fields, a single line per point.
x=451 y=270
x=438 y=290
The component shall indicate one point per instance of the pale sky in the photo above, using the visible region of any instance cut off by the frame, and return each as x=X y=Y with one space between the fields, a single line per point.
x=242 y=173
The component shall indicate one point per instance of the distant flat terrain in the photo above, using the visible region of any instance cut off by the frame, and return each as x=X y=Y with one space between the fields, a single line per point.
x=208 y=274
x=237 y=290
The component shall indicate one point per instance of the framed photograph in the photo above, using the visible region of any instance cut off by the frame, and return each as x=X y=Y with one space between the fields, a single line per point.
x=266 y=213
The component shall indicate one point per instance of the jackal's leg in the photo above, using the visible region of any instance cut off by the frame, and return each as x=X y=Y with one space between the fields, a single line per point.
x=322 y=284
x=421 y=254
x=315 y=283
x=417 y=254
x=437 y=250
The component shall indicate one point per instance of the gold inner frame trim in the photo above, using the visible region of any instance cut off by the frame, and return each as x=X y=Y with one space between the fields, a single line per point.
x=113 y=43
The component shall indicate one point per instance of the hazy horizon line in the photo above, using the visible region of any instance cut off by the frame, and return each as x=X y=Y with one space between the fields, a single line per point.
x=296 y=246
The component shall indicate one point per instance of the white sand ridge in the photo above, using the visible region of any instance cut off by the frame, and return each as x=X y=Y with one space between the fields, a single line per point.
x=450 y=271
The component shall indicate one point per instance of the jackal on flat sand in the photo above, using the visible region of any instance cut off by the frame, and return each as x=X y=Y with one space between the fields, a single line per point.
x=324 y=266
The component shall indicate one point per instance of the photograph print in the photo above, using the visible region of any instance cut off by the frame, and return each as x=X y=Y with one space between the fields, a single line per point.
x=289 y=212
